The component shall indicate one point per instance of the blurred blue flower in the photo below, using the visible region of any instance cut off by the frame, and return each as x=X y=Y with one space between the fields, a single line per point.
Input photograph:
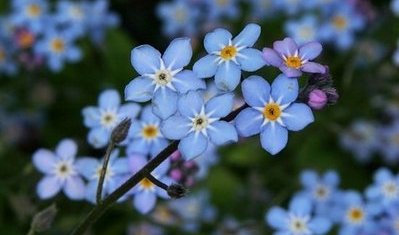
x=303 y=30
x=7 y=65
x=30 y=14
x=198 y=123
x=72 y=15
x=60 y=172
x=298 y=219
x=219 y=9
x=102 y=119
x=162 y=79
x=261 y=9
x=90 y=168
x=227 y=57
x=145 y=136
x=272 y=111
x=395 y=7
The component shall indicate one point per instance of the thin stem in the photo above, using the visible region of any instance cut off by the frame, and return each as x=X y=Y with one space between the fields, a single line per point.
x=99 y=209
x=103 y=172
x=156 y=182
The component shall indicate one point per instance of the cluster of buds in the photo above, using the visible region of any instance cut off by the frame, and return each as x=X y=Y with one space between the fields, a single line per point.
x=182 y=171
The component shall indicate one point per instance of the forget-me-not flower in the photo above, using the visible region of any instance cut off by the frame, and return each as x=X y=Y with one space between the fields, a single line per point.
x=73 y=15
x=219 y=9
x=100 y=19
x=103 y=119
x=303 y=30
x=7 y=65
x=162 y=79
x=227 y=56
x=30 y=14
x=198 y=123
x=60 y=171
x=272 y=111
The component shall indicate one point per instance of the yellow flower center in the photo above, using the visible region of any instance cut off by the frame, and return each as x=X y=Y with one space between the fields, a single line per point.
x=180 y=15
x=228 y=53
x=293 y=62
x=26 y=40
x=34 y=10
x=272 y=111
x=146 y=183
x=150 y=132
x=58 y=45
x=339 y=22
x=355 y=215
x=2 y=55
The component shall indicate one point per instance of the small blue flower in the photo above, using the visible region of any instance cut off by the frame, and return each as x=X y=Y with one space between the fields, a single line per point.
x=303 y=30
x=60 y=171
x=145 y=136
x=227 y=57
x=298 y=220
x=198 y=123
x=261 y=9
x=162 y=79
x=90 y=168
x=100 y=19
x=7 y=65
x=219 y=9
x=72 y=15
x=30 y=14
x=103 y=119
x=395 y=7
x=145 y=193
x=291 y=7
x=272 y=111
x=389 y=146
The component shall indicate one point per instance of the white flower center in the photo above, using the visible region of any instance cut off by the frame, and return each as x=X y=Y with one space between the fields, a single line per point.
x=109 y=119
x=163 y=77
x=76 y=12
x=64 y=169
x=321 y=192
x=299 y=225
x=200 y=122
x=33 y=10
x=390 y=190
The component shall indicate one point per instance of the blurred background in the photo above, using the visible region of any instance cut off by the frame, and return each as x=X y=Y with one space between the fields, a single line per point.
x=41 y=102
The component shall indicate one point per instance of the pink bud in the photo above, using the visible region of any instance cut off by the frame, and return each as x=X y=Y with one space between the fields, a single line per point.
x=176 y=174
x=317 y=99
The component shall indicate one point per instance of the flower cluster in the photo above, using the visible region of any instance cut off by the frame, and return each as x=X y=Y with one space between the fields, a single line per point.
x=321 y=205
x=32 y=35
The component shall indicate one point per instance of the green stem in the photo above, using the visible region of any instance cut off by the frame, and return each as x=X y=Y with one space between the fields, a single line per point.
x=103 y=172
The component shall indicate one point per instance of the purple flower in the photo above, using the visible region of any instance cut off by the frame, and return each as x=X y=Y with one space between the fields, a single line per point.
x=317 y=99
x=293 y=60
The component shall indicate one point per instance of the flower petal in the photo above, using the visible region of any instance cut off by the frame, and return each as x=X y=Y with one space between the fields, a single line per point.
x=297 y=116
x=215 y=40
x=91 y=116
x=66 y=149
x=227 y=76
x=271 y=57
x=285 y=47
x=222 y=132
x=274 y=138
x=98 y=137
x=175 y=127
x=190 y=104
x=148 y=116
x=144 y=201
x=186 y=81
x=250 y=60
x=256 y=91
x=87 y=167
x=48 y=187
x=310 y=50
x=248 y=122
x=312 y=67
x=74 y=188
x=285 y=89
x=193 y=145
x=139 y=89
x=220 y=106
x=309 y=178
x=164 y=103
x=109 y=99
x=178 y=54
x=248 y=36
x=290 y=72
x=130 y=110
x=320 y=225
x=300 y=206
x=277 y=218
x=136 y=162
x=145 y=59
x=206 y=66
x=138 y=146
x=44 y=160
x=157 y=146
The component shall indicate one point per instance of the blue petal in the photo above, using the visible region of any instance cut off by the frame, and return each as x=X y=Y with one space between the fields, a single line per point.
x=274 y=138
x=216 y=40
x=109 y=99
x=309 y=178
x=285 y=89
x=331 y=178
x=91 y=116
x=193 y=145
x=251 y=60
x=162 y=169
x=129 y=111
x=138 y=146
x=248 y=122
x=222 y=132
x=136 y=162
x=74 y=188
x=121 y=166
x=206 y=66
x=44 y=160
x=220 y=106
x=98 y=137
x=300 y=206
x=144 y=202
x=145 y=59
x=66 y=149
x=87 y=167
x=164 y=103
x=178 y=54
x=91 y=190
x=139 y=89
x=320 y=225
x=147 y=116
x=256 y=91
x=310 y=50
x=186 y=81
x=48 y=187
x=382 y=175
x=297 y=116
x=227 y=76
x=248 y=36
x=175 y=127
x=190 y=104
x=277 y=218
x=157 y=146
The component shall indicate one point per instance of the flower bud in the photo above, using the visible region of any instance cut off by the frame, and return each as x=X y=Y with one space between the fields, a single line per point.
x=317 y=99
x=176 y=191
x=43 y=220
x=120 y=132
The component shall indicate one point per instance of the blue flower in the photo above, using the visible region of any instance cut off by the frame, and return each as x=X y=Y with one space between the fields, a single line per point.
x=90 y=168
x=227 y=57
x=384 y=193
x=198 y=123
x=162 y=79
x=102 y=119
x=30 y=14
x=60 y=171
x=272 y=111
x=58 y=47
x=395 y=7
x=145 y=192
x=72 y=15
x=298 y=220
x=145 y=136
x=7 y=65
x=219 y=9
x=389 y=147
x=262 y=8
x=291 y=7
x=303 y=30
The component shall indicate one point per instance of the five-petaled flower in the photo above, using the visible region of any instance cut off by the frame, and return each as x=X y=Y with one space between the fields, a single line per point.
x=272 y=111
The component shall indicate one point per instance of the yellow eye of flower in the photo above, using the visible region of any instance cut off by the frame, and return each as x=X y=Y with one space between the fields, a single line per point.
x=58 y=45
x=355 y=215
x=339 y=22
x=2 y=55
x=272 y=111
x=293 y=62
x=146 y=183
x=33 y=10
x=150 y=132
x=228 y=53
x=26 y=40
